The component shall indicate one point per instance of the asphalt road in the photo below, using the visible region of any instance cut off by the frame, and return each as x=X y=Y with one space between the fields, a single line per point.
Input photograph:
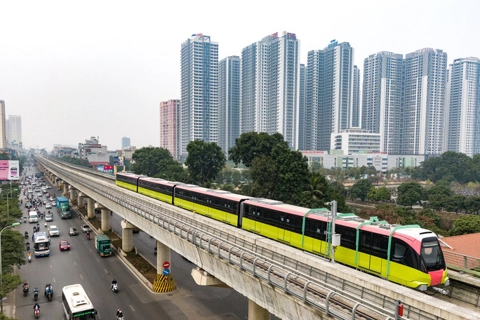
x=83 y=265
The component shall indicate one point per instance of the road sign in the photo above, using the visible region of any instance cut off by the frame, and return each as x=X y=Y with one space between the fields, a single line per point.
x=166 y=264
x=166 y=272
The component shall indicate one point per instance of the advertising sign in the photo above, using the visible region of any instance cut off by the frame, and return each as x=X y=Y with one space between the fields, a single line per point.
x=9 y=170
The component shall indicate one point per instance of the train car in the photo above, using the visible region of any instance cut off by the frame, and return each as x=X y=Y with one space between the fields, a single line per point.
x=128 y=180
x=220 y=205
x=407 y=255
x=157 y=188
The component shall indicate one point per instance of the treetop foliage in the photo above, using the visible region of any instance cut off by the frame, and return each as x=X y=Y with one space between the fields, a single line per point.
x=253 y=144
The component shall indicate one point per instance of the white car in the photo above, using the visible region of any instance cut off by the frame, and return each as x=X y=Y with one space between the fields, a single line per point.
x=49 y=217
x=48 y=205
x=53 y=231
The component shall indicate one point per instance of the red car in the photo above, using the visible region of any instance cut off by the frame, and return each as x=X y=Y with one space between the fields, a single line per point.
x=64 y=245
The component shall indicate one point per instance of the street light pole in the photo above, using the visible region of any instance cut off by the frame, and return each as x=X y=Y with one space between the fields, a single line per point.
x=1 y=271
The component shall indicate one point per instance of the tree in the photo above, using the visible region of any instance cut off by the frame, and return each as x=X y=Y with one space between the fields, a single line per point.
x=205 y=160
x=151 y=161
x=316 y=188
x=360 y=189
x=253 y=144
x=409 y=193
x=466 y=224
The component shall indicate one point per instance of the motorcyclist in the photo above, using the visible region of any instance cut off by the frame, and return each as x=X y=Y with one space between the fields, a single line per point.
x=88 y=235
x=26 y=234
x=36 y=306
x=113 y=282
x=119 y=314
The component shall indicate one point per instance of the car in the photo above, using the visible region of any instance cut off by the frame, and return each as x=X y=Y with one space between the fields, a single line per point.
x=30 y=191
x=48 y=205
x=52 y=199
x=28 y=204
x=86 y=228
x=72 y=231
x=64 y=245
x=39 y=194
x=49 y=187
x=48 y=217
x=53 y=231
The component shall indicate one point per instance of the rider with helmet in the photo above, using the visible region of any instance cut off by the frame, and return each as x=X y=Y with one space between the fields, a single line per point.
x=119 y=314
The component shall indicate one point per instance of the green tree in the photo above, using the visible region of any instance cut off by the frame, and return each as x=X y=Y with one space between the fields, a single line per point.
x=360 y=189
x=152 y=161
x=316 y=188
x=204 y=161
x=409 y=193
x=472 y=204
x=455 y=203
x=466 y=224
x=253 y=144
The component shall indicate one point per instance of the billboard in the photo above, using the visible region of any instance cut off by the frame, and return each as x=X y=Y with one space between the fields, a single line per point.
x=9 y=170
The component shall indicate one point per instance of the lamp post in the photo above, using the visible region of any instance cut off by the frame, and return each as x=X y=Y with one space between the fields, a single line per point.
x=1 y=271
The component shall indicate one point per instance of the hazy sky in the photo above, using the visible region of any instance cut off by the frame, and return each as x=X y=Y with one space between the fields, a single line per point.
x=73 y=70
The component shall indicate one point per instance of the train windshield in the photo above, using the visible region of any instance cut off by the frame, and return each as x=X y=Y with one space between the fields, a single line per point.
x=432 y=255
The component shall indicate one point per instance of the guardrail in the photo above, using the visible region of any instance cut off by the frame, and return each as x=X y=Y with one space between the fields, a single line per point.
x=462 y=263
x=268 y=265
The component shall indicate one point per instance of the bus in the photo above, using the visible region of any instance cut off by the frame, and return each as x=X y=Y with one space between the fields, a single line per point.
x=76 y=304
x=41 y=244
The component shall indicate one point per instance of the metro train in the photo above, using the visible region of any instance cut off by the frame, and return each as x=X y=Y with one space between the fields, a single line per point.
x=408 y=255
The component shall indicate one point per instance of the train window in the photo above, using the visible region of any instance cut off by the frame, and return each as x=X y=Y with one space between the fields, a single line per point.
x=404 y=254
x=348 y=239
x=365 y=242
x=379 y=245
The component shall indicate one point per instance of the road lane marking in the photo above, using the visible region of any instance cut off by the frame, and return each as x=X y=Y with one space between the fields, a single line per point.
x=54 y=280
x=132 y=308
x=105 y=271
x=74 y=262
x=81 y=277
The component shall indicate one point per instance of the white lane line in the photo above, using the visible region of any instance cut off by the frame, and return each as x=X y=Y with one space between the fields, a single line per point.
x=74 y=262
x=105 y=271
x=54 y=280
x=81 y=277
x=51 y=267
x=132 y=308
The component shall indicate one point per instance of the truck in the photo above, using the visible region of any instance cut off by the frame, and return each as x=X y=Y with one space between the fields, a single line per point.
x=63 y=208
x=102 y=244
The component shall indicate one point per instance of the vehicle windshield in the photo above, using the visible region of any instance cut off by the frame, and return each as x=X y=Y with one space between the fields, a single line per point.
x=432 y=255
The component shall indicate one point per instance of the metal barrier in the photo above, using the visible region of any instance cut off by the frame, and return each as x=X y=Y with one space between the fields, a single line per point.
x=462 y=262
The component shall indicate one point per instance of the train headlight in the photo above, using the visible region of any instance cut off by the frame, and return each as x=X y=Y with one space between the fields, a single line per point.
x=422 y=287
x=447 y=283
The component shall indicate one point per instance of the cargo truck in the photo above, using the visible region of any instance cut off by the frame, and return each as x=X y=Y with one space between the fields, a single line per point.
x=102 y=244
x=63 y=208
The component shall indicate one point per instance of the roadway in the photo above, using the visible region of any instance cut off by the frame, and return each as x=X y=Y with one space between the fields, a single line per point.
x=82 y=265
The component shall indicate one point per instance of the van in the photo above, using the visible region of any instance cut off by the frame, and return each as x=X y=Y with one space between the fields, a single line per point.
x=32 y=217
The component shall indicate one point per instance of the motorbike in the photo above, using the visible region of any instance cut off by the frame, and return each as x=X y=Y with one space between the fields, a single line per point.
x=25 y=291
x=26 y=235
x=46 y=225
x=88 y=235
x=24 y=219
x=35 y=294
x=29 y=258
x=49 y=291
x=114 y=287
x=36 y=313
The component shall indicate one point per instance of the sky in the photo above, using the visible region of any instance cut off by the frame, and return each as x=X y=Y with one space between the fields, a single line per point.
x=77 y=69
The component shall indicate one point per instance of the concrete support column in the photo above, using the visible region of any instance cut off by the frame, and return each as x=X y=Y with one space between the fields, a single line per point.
x=65 y=189
x=127 y=236
x=90 y=208
x=72 y=193
x=164 y=254
x=255 y=312
x=105 y=219
x=80 y=202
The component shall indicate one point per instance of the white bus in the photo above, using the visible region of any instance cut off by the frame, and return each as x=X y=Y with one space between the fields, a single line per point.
x=76 y=304
x=33 y=217
x=41 y=244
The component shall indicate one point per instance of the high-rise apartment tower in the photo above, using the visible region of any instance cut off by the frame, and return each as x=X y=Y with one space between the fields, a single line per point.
x=270 y=86
x=199 y=91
